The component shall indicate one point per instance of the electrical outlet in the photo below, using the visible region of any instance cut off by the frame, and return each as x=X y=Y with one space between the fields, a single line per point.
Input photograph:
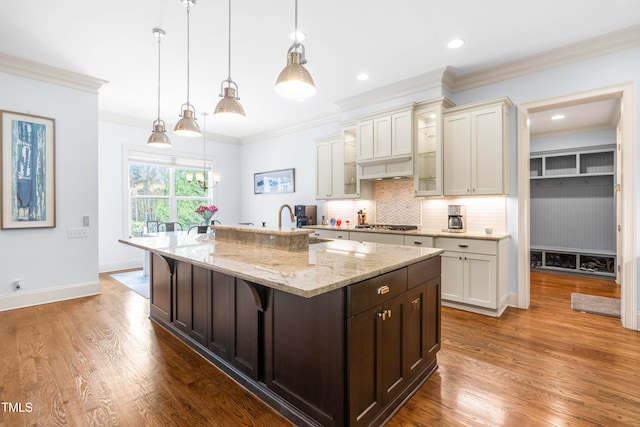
x=77 y=233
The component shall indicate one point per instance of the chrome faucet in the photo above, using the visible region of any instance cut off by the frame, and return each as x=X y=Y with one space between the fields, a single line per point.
x=293 y=218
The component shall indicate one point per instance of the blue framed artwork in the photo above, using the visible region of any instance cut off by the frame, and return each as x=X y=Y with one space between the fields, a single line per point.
x=27 y=168
x=274 y=182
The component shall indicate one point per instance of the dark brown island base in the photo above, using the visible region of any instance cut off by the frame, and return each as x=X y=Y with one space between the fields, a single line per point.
x=345 y=352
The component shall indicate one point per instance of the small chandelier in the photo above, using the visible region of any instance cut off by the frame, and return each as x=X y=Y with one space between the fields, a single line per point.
x=159 y=137
x=294 y=81
x=201 y=177
x=187 y=125
x=229 y=107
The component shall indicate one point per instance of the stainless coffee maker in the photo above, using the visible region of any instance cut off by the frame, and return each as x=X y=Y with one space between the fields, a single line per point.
x=456 y=222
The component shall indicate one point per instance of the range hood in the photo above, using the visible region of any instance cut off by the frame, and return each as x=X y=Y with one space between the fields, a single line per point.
x=387 y=168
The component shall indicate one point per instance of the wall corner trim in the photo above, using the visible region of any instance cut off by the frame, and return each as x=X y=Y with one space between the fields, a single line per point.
x=37 y=71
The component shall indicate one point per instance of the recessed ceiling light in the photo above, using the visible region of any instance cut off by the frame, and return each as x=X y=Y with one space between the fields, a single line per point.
x=363 y=76
x=557 y=117
x=301 y=36
x=455 y=43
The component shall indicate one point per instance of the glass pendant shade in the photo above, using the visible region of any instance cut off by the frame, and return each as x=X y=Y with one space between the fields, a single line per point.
x=229 y=108
x=159 y=137
x=294 y=81
x=187 y=125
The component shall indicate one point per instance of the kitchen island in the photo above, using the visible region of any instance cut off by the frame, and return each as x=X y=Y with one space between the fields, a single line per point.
x=339 y=334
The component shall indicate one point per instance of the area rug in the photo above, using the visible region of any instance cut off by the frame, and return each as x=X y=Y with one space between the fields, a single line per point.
x=134 y=280
x=595 y=304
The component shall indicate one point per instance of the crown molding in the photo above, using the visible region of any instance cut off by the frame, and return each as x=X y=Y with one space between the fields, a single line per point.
x=613 y=42
x=421 y=82
x=46 y=73
x=121 y=119
x=333 y=119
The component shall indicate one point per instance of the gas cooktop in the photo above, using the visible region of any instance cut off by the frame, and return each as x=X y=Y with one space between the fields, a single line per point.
x=392 y=227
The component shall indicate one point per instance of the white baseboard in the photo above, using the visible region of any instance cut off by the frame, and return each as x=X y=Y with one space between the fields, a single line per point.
x=121 y=265
x=21 y=299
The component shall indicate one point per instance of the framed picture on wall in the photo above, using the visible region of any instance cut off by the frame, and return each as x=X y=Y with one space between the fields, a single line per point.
x=27 y=168
x=273 y=182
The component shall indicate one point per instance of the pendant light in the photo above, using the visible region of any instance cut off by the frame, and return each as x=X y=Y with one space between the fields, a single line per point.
x=159 y=137
x=187 y=125
x=294 y=81
x=229 y=107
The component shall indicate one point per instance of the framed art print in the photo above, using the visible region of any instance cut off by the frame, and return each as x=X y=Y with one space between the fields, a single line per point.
x=273 y=182
x=27 y=167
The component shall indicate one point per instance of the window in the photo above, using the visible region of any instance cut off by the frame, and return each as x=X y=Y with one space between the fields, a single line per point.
x=158 y=190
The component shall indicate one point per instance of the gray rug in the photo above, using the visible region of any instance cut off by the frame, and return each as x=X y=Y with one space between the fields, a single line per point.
x=595 y=304
x=134 y=280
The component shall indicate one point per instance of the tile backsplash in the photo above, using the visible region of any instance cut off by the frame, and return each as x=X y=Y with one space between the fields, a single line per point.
x=394 y=203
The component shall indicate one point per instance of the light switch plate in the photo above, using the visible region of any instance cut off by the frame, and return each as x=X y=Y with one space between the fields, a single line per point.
x=77 y=233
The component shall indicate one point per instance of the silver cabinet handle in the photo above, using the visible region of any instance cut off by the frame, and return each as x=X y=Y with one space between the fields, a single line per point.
x=463 y=246
x=383 y=290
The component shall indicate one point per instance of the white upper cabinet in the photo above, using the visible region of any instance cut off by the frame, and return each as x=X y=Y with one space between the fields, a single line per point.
x=336 y=168
x=476 y=149
x=428 y=147
x=385 y=144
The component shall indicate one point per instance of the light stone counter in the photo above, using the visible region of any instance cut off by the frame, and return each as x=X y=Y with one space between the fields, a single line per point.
x=418 y=232
x=321 y=268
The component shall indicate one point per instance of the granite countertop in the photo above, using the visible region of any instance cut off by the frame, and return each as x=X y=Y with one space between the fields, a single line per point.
x=321 y=268
x=419 y=232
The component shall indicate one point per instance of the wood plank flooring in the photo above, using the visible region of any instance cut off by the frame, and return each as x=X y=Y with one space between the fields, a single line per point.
x=99 y=361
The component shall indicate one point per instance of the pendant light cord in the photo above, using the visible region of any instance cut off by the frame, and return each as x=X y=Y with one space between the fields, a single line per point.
x=188 y=52
x=295 y=33
x=229 y=76
x=159 y=37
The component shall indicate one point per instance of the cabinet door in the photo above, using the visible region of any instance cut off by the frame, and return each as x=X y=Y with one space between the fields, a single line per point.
x=382 y=137
x=393 y=334
x=415 y=342
x=401 y=126
x=365 y=368
x=245 y=330
x=323 y=170
x=481 y=285
x=190 y=305
x=452 y=276
x=457 y=155
x=365 y=140
x=431 y=318
x=337 y=168
x=486 y=151
x=428 y=153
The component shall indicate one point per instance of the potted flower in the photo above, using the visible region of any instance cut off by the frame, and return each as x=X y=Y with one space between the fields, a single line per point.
x=206 y=212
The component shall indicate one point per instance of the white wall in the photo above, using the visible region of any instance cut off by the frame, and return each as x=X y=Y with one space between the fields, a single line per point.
x=576 y=140
x=51 y=266
x=113 y=137
x=296 y=150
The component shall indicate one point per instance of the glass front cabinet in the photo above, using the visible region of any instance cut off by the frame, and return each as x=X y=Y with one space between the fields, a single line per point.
x=428 y=147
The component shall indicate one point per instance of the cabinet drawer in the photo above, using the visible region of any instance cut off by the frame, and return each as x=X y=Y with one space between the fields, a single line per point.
x=368 y=293
x=488 y=247
x=423 y=241
x=330 y=234
x=423 y=271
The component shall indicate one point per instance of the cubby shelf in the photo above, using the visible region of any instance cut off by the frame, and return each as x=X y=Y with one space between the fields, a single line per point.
x=573 y=262
x=562 y=164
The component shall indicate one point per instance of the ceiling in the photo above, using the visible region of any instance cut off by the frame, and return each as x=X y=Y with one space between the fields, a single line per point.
x=391 y=41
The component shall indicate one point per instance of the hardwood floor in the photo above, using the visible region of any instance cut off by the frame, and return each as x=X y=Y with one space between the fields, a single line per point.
x=100 y=361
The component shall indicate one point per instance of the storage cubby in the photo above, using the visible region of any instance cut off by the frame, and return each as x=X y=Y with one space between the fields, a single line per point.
x=573 y=211
x=573 y=262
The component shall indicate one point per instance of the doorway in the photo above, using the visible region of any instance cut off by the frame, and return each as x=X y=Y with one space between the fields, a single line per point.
x=625 y=186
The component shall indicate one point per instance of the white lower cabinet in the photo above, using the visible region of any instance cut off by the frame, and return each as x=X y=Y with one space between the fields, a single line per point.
x=366 y=236
x=475 y=274
x=423 y=241
x=330 y=234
